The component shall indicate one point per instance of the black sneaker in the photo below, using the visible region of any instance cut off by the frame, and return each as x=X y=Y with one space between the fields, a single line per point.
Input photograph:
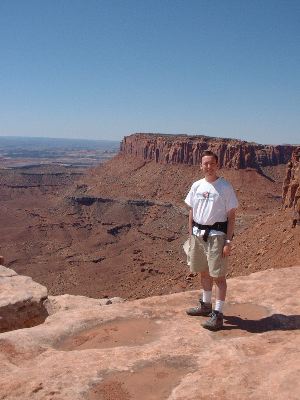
x=215 y=322
x=204 y=309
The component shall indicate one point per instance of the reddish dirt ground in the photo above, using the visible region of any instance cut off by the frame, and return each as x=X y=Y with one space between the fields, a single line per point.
x=126 y=240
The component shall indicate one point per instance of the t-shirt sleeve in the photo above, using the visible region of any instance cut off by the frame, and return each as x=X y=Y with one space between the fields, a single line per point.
x=189 y=200
x=231 y=199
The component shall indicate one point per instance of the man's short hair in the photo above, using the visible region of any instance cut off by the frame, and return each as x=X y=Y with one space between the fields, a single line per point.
x=210 y=153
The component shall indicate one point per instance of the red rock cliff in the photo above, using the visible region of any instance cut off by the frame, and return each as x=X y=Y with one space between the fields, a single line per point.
x=291 y=185
x=184 y=149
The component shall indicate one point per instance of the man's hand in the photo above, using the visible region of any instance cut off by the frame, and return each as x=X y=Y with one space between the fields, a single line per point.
x=230 y=229
x=226 y=250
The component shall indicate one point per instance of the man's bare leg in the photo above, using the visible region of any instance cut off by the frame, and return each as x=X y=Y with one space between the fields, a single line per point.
x=221 y=288
x=204 y=308
x=207 y=285
x=216 y=319
x=206 y=281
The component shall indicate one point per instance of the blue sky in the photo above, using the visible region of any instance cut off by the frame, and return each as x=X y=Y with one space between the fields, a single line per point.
x=105 y=69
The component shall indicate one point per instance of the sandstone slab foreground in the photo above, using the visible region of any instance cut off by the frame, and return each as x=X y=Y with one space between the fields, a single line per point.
x=150 y=349
x=21 y=301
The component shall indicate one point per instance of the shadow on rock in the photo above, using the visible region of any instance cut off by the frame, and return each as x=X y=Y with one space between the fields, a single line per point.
x=274 y=322
x=22 y=315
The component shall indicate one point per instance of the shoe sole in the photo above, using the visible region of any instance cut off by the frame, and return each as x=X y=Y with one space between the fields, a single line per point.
x=211 y=328
x=199 y=315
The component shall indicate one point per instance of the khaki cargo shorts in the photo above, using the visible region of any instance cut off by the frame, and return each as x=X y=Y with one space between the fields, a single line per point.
x=207 y=256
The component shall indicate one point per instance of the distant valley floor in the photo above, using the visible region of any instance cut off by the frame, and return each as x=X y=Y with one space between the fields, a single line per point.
x=118 y=229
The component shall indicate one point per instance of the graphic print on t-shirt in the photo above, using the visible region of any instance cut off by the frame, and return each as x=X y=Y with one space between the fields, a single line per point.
x=208 y=196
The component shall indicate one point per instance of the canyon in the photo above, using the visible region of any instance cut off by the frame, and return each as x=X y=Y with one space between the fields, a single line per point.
x=118 y=229
x=78 y=244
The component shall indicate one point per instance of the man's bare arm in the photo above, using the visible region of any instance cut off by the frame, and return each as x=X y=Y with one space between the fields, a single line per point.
x=191 y=222
x=230 y=230
x=231 y=223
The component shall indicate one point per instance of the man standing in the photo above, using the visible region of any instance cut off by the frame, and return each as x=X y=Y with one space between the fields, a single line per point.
x=212 y=203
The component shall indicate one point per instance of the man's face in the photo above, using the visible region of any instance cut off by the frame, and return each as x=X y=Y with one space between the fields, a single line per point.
x=209 y=166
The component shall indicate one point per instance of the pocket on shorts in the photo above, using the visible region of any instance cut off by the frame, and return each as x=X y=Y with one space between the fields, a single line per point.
x=186 y=248
x=198 y=258
x=217 y=263
x=217 y=244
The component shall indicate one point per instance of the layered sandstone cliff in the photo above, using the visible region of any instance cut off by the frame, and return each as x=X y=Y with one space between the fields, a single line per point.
x=291 y=185
x=184 y=149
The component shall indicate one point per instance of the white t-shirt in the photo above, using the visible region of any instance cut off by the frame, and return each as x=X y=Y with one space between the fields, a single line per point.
x=211 y=202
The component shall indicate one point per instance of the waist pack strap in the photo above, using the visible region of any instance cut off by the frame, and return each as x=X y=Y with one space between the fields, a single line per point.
x=218 y=226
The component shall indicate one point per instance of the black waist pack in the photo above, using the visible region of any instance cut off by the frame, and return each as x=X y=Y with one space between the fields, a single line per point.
x=218 y=226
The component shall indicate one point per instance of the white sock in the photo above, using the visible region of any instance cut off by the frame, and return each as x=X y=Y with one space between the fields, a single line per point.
x=206 y=296
x=219 y=305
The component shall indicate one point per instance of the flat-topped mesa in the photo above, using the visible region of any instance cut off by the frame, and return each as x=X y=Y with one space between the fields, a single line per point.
x=291 y=185
x=185 y=149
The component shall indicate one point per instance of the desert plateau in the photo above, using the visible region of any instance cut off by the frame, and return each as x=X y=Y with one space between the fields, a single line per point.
x=94 y=281
x=117 y=229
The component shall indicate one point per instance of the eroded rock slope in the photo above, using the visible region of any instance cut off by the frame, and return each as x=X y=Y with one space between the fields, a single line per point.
x=291 y=186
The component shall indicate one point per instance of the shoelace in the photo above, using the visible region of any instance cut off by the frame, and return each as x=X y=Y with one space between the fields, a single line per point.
x=212 y=315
